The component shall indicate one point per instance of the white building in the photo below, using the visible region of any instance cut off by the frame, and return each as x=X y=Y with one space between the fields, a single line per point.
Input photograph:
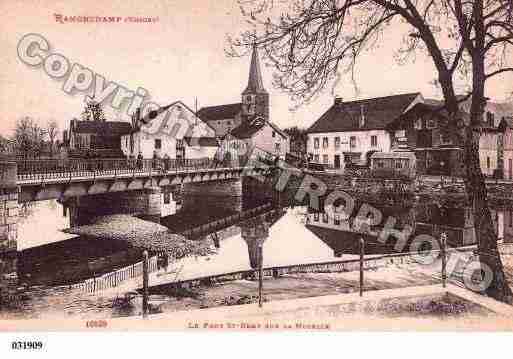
x=352 y=131
x=173 y=130
x=245 y=127
x=256 y=139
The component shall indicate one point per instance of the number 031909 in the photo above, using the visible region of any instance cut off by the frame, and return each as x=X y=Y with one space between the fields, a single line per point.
x=27 y=345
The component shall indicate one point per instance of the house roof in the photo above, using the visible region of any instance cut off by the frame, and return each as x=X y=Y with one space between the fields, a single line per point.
x=108 y=128
x=437 y=110
x=221 y=112
x=378 y=112
x=248 y=128
x=202 y=141
x=155 y=113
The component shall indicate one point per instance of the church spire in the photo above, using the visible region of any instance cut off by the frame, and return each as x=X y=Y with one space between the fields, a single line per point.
x=255 y=83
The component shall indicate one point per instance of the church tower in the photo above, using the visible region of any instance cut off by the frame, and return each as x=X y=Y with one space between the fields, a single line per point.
x=255 y=99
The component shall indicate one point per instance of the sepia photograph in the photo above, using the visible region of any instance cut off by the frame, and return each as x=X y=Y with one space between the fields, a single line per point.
x=257 y=166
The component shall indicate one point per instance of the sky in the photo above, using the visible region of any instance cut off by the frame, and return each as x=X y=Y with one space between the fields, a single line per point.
x=180 y=56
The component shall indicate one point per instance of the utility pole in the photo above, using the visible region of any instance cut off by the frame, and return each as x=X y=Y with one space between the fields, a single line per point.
x=362 y=253
x=443 y=240
x=260 y=272
x=145 y=284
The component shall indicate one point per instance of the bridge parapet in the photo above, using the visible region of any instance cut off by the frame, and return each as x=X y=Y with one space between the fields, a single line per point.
x=8 y=207
x=8 y=230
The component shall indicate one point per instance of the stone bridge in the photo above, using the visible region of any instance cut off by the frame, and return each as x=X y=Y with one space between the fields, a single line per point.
x=115 y=186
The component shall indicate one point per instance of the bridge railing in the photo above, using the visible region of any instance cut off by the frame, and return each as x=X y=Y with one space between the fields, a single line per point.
x=31 y=169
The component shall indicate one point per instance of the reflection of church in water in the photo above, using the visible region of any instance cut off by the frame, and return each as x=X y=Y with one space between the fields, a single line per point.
x=256 y=231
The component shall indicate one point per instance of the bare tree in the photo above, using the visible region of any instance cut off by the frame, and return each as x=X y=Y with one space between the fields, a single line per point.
x=468 y=40
x=52 y=129
x=29 y=137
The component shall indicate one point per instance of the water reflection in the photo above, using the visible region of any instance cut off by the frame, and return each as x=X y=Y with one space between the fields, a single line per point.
x=42 y=223
x=290 y=236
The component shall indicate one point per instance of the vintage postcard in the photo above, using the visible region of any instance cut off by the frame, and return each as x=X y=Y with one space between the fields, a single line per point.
x=256 y=165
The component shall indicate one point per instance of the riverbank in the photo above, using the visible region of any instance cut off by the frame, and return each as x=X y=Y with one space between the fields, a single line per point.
x=63 y=303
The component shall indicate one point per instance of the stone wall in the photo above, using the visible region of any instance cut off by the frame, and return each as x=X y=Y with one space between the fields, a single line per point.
x=8 y=232
x=8 y=207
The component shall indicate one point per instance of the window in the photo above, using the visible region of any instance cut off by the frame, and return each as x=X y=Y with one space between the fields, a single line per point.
x=274 y=134
x=325 y=159
x=352 y=141
x=445 y=138
x=167 y=197
x=431 y=124
x=325 y=142
x=381 y=164
x=316 y=142
x=337 y=142
x=158 y=143
x=277 y=147
x=316 y=217
x=418 y=124
x=490 y=119
x=316 y=158
x=398 y=164
x=337 y=220
x=325 y=217
x=488 y=162
x=374 y=141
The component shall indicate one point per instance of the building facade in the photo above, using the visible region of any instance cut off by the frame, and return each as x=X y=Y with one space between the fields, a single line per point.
x=258 y=139
x=99 y=137
x=423 y=129
x=172 y=130
x=349 y=132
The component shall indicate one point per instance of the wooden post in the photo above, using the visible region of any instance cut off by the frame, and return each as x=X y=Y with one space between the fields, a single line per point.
x=443 y=239
x=261 y=273
x=145 y=284
x=362 y=253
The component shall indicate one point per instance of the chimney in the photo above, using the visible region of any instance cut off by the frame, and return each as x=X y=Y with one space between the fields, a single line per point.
x=338 y=100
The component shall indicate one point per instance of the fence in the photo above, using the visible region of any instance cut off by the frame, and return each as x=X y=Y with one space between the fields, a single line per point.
x=69 y=168
x=323 y=267
x=113 y=279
